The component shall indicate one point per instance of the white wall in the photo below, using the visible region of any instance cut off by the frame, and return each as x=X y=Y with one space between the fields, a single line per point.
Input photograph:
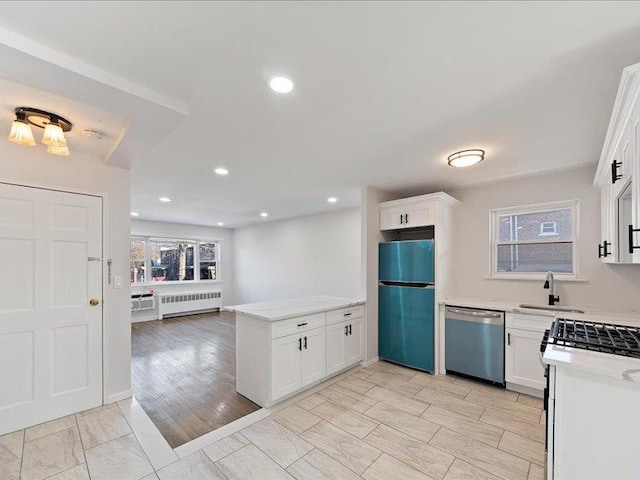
x=371 y=237
x=313 y=255
x=612 y=286
x=146 y=228
x=83 y=173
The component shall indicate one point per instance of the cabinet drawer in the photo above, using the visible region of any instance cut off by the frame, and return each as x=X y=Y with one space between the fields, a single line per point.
x=298 y=324
x=536 y=323
x=336 y=316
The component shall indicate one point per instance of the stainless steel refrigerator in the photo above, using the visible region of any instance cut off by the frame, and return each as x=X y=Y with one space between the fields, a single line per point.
x=406 y=303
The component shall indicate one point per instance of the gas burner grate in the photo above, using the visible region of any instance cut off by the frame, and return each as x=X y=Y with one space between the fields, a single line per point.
x=597 y=337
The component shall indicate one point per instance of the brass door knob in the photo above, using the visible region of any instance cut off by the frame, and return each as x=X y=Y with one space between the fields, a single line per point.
x=93 y=302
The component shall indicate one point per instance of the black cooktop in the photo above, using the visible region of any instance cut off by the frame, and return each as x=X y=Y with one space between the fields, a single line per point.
x=598 y=337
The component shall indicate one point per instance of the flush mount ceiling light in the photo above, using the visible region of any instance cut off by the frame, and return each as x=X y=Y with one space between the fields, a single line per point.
x=281 y=84
x=134 y=214
x=264 y=214
x=332 y=199
x=54 y=127
x=164 y=199
x=221 y=224
x=221 y=171
x=465 y=158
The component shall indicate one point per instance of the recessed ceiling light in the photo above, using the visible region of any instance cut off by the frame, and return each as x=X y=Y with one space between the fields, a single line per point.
x=134 y=214
x=165 y=199
x=281 y=84
x=220 y=224
x=332 y=199
x=466 y=158
x=221 y=171
x=264 y=214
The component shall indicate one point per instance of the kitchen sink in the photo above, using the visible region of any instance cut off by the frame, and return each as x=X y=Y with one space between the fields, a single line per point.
x=551 y=308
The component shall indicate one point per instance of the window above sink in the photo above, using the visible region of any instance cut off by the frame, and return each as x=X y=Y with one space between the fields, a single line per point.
x=528 y=241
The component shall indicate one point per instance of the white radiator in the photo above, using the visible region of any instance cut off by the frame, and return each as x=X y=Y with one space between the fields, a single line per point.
x=169 y=304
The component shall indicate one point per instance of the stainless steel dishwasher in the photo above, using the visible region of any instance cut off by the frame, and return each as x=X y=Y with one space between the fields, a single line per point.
x=474 y=343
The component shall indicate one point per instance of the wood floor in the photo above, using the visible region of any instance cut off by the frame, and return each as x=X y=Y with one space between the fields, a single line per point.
x=183 y=374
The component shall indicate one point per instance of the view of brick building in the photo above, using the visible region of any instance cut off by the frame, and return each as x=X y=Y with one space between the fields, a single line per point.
x=536 y=242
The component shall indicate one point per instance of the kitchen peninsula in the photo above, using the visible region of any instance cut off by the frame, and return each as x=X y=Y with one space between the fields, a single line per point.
x=285 y=346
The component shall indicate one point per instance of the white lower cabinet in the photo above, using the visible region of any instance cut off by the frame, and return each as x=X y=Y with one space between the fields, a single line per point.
x=523 y=335
x=355 y=340
x=522 y=363
x=336 y=347
x=276 y=359
x=344 y=344
x=296 y=361
x=286 y=366
x=313 y=356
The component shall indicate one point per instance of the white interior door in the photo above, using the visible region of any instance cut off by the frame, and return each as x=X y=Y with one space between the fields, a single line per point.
x=50 y=334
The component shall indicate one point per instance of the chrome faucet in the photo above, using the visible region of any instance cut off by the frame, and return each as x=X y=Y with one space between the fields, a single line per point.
x=548 y=283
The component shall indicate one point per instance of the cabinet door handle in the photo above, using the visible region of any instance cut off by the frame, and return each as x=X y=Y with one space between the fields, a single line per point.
x=614 y=171
x=508 y=338
x=300 y=344
x=406 y=218
x=632 y=247
x=348 y=314
x=349 y=329
x=305 y=343
x=346 y=329
x=401 y=219
x=606 y=246
x=600 y=254
x=303 y=324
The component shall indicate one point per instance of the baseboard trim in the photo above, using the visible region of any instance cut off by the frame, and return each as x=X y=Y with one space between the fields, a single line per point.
x=370 y=362
x=533 y=392
x=116 y=397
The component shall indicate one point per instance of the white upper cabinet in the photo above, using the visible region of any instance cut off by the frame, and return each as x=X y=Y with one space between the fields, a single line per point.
x=392 y=218
x=421 y=211
x=618 y=175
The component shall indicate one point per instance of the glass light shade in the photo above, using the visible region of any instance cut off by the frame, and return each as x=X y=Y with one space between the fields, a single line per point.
x=21 y=134
x=53 y=134
x=57 y=148
x=466 y=158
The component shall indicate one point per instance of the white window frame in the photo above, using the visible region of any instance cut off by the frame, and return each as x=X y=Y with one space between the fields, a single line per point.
x=548 y=234
x=146 y=271
x=495 y=214
x=196 y=260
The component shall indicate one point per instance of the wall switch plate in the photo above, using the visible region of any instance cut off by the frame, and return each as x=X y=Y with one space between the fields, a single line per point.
x=117 y=281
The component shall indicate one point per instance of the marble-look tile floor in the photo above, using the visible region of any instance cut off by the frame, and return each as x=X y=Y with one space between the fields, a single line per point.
x=381 y=422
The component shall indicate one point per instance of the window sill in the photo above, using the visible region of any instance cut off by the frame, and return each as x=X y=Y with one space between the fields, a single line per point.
x=169 y=284
x=538 y=278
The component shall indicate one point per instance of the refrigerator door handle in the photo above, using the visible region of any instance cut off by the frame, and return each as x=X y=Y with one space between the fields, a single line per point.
x=383 y=283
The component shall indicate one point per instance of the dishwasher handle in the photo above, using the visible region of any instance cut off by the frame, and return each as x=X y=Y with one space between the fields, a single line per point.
x=478 y=316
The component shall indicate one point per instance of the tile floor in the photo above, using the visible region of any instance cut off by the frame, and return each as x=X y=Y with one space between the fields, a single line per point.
x=382 y=422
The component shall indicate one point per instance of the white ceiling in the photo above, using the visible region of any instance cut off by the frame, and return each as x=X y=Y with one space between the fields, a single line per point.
x=384 y=92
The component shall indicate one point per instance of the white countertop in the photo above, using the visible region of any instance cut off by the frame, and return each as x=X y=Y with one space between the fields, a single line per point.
x=295 y=307
x=608 y=365
x=594 y=313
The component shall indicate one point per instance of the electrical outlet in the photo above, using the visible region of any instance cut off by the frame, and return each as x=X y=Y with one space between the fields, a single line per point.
x=117 y=281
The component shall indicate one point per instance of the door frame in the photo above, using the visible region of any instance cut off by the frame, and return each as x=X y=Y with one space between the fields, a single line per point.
x=105 y=255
